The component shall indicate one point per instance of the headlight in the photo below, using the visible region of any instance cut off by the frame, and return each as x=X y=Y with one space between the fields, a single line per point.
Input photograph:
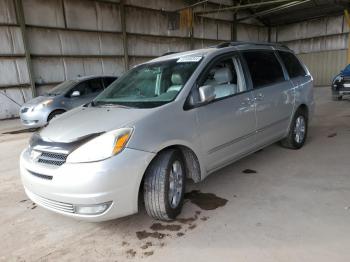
x=101 y=147
x=338 y=79
x=43 y=104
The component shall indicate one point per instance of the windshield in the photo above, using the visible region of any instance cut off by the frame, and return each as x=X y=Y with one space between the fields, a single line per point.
x=346 y=70
x=61 y=88
x=149 y=85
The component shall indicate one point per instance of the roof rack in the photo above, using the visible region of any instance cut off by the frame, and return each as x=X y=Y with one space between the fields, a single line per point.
x=238 y=43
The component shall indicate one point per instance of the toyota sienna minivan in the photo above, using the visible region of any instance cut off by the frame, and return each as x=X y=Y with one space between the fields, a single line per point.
x=177 y=117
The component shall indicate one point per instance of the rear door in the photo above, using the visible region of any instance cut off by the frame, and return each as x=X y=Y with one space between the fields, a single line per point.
x=227 y=124
x=273 y=95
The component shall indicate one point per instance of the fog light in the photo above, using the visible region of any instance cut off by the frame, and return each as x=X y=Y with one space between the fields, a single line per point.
x=92 y=209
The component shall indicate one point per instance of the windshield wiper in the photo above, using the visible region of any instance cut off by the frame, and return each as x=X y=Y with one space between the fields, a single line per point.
x=106 y=104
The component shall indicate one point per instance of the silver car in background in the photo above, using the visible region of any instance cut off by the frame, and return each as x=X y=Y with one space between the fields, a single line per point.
x=179 y=116
x=65 y=96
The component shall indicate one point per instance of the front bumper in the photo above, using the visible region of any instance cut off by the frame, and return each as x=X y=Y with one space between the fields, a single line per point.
x=115 y=180
x=341 y=88
x=33 y=119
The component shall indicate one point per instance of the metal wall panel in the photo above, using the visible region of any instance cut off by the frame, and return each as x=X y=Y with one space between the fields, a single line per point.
x=224 y=31
x=92 y=15
x=205 y=43
x=247 y=32
x=156 y=4
x=206 y=29
x=134 y=61
x=313 y=28
x=149 y=22
x=44 y=13
x=61 y=42
x=10 y=101
x=324 y=65
x=7 y=12
x=48 y=70
x=13 y=71
x=155 y=46
x=11 y=41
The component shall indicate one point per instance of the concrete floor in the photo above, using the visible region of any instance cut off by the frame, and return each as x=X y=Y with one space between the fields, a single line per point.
x=295 y=208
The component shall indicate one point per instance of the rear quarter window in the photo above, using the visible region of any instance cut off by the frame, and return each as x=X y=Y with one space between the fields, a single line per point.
x=292 y=64
x=264 y=68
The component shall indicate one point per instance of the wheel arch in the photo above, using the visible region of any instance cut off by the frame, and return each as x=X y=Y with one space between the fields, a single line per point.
x=55 y=111
x=192 y=163
x=303 y=107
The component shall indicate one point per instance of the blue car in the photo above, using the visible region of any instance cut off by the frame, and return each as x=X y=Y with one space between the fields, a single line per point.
x=341 y=84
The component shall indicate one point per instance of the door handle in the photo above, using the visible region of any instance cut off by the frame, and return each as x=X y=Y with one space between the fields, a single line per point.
x=246 y=101
x=259 y=97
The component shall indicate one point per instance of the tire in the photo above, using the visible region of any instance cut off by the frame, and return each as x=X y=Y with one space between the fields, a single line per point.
x=297 y=136
x=337 y=97
x=54 y=114
x=157 y=185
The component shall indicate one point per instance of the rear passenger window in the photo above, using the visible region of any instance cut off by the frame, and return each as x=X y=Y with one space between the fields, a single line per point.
x=224 y=76
x=264 y=68
x=293 y=66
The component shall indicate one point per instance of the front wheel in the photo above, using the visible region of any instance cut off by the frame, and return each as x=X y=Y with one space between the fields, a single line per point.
x=298 y=131
x=336 y=97
x=164 y=185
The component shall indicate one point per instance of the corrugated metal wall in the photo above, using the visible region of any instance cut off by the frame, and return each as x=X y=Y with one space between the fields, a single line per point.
x=67 y=38
x=321 y=43
x=325 y=65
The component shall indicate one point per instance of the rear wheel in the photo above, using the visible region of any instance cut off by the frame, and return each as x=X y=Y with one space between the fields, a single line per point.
x=164 y=185
x=298 y=131
x=337 y=97
x=54 y=114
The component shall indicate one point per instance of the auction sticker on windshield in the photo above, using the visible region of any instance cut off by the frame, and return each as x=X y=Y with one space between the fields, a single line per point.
x=187 y=59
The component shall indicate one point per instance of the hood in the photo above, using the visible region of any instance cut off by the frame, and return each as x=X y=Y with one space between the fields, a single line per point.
x=83 y=121
x=37 y=100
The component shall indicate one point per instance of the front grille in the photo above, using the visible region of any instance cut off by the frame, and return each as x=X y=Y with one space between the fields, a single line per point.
x=24 y=110
x=40 y=175
x=51 y=204
x=55 y=159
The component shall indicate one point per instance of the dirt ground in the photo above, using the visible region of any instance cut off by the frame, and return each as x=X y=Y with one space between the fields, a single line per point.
x=275 y=205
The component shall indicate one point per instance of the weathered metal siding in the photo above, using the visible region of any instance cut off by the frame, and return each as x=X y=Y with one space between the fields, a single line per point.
x=320 y=43
x=14 y=78
x=324 y=65
x=71 y=38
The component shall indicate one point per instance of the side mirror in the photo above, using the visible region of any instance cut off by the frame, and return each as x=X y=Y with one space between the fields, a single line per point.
x=75 y=94
x=206 y=94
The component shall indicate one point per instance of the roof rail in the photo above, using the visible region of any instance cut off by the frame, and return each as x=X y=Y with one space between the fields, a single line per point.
x=238 y=43
x=169 y=53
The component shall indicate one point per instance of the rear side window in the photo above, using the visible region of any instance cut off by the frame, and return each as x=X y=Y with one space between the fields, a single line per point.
x=293 y=66
x=264 y=68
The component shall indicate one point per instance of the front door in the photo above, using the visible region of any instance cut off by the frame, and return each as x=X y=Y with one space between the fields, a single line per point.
x=227 y=124
x=88 y=90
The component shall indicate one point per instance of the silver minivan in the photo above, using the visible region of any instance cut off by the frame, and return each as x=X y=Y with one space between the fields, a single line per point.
x=177 y=117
